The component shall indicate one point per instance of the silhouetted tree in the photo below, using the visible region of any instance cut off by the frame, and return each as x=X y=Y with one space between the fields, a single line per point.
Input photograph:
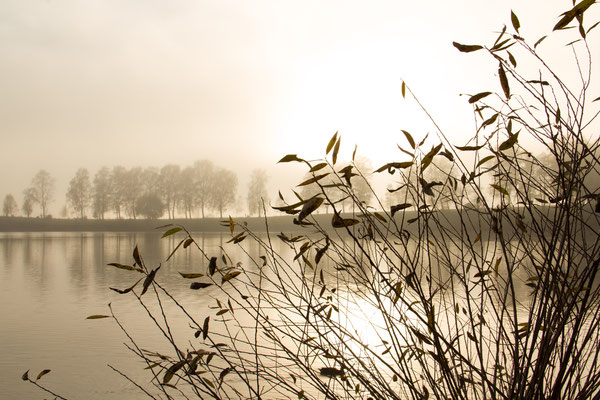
x=257 y=191
x=101 y=192
x=150 y=206
x=169 y=179
x=79 y=193
x=134 y=189
x=224 y=190
x=10 y=206
x=28 y=202
x=118 y=186
x=42 y=186
x=150 y=178
x=203 y=183
x=187 y=192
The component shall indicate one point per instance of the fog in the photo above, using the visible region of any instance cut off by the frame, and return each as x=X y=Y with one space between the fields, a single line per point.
x=148 y=83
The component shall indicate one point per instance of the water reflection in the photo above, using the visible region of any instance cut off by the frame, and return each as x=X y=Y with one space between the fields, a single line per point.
x=49 y=283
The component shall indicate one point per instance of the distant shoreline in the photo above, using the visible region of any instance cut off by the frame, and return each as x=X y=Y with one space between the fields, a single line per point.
x=23 y=224
x=276 y=224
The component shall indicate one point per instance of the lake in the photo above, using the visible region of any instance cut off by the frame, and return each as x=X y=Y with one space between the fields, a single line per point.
x=50 y=283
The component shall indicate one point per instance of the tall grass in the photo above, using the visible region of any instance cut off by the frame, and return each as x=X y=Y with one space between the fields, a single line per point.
x=481 y=283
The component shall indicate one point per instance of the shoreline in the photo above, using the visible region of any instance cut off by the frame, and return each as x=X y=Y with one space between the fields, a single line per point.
x=23 y=224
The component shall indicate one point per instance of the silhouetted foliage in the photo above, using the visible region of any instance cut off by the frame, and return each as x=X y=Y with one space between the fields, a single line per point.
x=257 y=191
x=101 y=192
x=150 y=206
x=497 y=296
x=9 y=207
x=41 y=191
x=80 y=192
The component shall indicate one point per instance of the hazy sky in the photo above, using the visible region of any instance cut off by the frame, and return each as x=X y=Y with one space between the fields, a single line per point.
x=87 y=83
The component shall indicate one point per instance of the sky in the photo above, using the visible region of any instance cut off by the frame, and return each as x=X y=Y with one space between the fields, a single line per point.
x=146 y=83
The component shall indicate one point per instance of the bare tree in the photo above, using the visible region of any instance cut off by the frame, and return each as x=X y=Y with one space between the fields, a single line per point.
x=134 y=190
x=118 y=186
x=257 y=191
x=150 y=178
x=169 y=177
x=79 y=193
x=204 y=171
x=224 y=190
x=187 y=191
x=42 y=186
x=28 y=202
x=10 y=206
x=101 y=192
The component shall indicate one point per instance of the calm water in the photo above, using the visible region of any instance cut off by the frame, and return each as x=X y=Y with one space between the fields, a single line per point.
x=49 y=284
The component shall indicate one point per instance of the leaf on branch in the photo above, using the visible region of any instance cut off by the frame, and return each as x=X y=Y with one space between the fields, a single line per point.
x=399 y=207
x=309 y=207
x=44 y=372
x=489 y=121
x=172 y=370
x=205 y=328
x=510 y=142
x=478 y=97
x=199 y=285
x=318 y=167
x=515 y=21
x=469 y=148
x=500 y=189
x=404 y=89
x=313 y=179
x=540 y=40
x=484 y=160
x=129 y=289
x=237 y=238
x=395 y=165
x=149 y=279
x=230 y=276
x=592 y=27
x=98 y=316
x=224 y=373
x=336 y=149
x=289 y=158
x=188 y=242
x=339 y=222
x=25 y=376
x=504 y=81
x=171 y=232
x=576 y=11
x=512 y=59
x=466 y=48
x=410 y=139
x=543 y=83
x=212 y=266
x=428 y=158
x=136 y=257
x=125 y=267
x=321 y=253
x=191 y=275
x=331 y=142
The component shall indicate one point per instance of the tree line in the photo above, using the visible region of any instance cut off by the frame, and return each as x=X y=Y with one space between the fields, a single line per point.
x=150 y=192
